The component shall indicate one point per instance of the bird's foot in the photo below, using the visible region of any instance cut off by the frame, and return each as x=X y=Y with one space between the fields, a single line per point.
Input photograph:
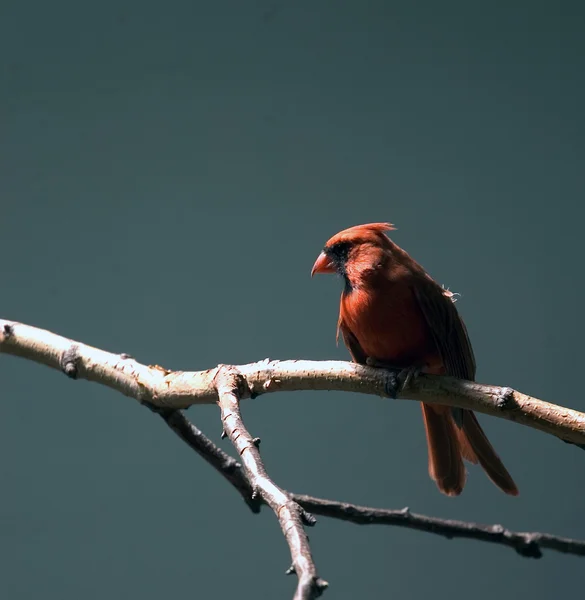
x=399 y=377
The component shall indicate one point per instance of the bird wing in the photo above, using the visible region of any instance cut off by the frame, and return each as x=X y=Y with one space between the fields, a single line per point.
x=349 y=339
x=447 y=328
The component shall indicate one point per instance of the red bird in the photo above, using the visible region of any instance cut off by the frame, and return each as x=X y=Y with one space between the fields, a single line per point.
x=393 y=313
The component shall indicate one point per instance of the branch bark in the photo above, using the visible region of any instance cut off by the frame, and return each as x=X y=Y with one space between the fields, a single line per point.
x=165 y=392
x=222 y=462
x=160 y=387
x=527 y=544
x=230 y=385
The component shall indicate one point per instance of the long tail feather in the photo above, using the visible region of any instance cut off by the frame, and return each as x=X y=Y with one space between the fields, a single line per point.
x=486 y=455
x=445 y=463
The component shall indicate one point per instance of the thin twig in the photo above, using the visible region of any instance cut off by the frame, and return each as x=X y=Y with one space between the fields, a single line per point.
x=180 y=389
x=223 y=463
x=290 y=515
x=527 y=544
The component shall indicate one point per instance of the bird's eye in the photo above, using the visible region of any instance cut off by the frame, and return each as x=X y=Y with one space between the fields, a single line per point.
x=339 y=251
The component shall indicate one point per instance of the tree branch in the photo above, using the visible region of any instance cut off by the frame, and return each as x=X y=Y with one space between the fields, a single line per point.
x=291 y=516
x=222 y=462
x=527 y=544
x=180 y=389
x=165 y=392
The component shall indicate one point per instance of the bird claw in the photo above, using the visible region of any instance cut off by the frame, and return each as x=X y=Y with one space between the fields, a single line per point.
x=392 y=385
x=399 y=378
x=408 y=374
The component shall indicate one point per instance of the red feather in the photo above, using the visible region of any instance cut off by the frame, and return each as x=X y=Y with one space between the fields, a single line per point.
x=392 y=311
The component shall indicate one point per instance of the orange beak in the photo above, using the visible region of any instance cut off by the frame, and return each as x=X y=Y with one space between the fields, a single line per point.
x=323 y=264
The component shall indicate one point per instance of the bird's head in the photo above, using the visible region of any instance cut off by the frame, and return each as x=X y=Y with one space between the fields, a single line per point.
x=354 y=252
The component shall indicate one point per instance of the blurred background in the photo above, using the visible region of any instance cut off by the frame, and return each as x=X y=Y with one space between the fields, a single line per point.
x=170 y=172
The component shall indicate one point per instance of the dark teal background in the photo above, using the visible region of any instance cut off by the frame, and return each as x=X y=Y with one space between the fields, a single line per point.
x=169 y=172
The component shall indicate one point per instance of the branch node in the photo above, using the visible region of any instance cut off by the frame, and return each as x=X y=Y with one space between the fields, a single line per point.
x=306 y=517
x=291 y=570
x=391 y=383
x=405 y=512
x=229 y=375
x=230 y=465
x=256 y=441
x=167 y=414
x=529 y=548
x=223 y=434
x=125 y=356
x=69 y=361
x=8 y=330
x=153 y=407
x=505 y=398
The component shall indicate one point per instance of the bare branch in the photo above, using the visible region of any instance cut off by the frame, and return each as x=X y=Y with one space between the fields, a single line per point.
x=222 y=462
x=165 y=392
x=180 y=389
x=289 y=514
x=527 y=544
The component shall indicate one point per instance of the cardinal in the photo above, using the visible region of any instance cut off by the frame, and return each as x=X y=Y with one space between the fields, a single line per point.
x=393 y=314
